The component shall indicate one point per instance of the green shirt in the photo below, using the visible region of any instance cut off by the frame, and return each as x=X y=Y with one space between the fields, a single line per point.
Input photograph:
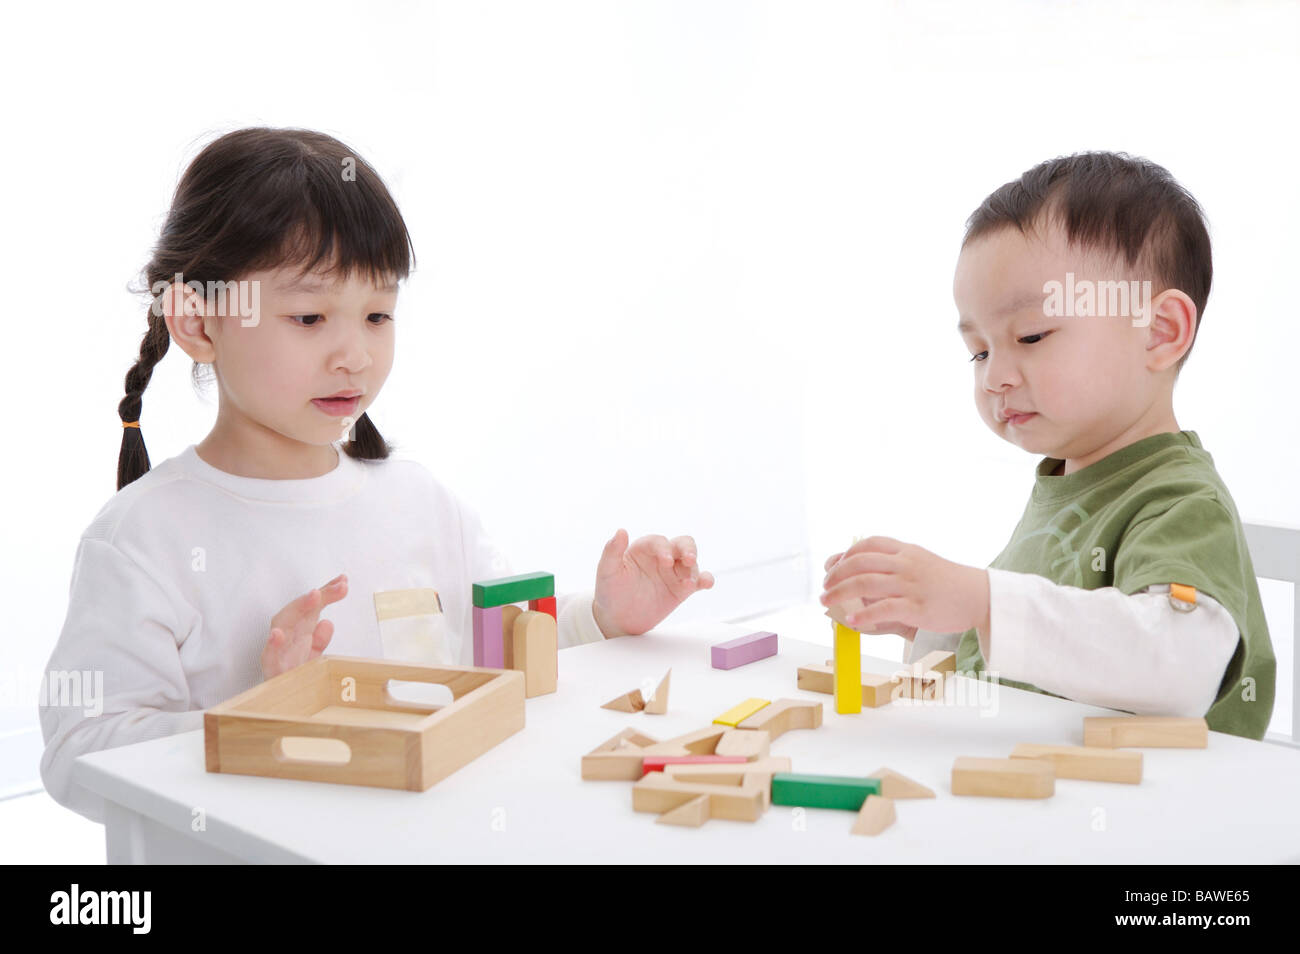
x=1153 y=512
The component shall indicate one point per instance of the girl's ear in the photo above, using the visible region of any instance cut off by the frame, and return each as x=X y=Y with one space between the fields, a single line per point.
x=183 y=311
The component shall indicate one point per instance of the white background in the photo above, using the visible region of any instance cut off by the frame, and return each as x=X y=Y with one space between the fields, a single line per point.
x=691 y=261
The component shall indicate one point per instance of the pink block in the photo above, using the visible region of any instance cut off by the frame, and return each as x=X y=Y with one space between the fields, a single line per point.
x=746 y=649
x=489 y=649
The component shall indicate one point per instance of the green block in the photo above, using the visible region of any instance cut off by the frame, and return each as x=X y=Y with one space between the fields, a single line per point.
x=514 y=589
x=822 y=791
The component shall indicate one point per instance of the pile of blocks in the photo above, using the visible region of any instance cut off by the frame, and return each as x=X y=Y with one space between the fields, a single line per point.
x=506 y=636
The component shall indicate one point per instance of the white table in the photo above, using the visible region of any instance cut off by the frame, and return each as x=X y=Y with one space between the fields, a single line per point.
x=524 y=801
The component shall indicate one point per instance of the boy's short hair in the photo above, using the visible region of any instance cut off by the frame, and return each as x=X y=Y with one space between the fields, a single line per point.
x=1116 y=204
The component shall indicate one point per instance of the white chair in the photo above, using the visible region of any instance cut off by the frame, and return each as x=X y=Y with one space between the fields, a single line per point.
x=1275 y=552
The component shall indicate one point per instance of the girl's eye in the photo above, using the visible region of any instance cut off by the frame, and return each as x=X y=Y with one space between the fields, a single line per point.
x=307 y=324
x=979 y=357
x=381 y=317
x=1030 y=339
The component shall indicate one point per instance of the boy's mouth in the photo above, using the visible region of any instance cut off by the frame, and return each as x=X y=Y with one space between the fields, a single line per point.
x=1010 y=415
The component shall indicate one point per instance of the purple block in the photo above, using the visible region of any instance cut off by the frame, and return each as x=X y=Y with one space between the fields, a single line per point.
x=489 y=648
x=746 y=649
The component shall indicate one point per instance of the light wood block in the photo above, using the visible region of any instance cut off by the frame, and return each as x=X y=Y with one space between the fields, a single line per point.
x=1154 y=732
x=659 y=793
x=1095 y=763
x=781 y=716
x=1003 y=778
x=894 y=785
x=877 y=814
x=817 y=679
x=255 y=732
x=617 y=759
x=750 y=743
x=536 y=652
x=509 y=613
x=658 y=704
x=699 y=742
x=877 y=690
x=690 y=814
x=741 y=712
x=848 y=670
x=657 y=763
x=628 y=702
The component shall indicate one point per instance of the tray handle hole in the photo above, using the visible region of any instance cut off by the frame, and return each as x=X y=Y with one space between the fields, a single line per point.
x=426 y=696
x=312 y=749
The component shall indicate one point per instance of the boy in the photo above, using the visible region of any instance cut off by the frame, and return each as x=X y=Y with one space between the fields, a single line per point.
x=1127 y=582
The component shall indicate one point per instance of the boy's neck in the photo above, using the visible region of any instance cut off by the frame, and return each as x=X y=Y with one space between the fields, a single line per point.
x=1160 y=421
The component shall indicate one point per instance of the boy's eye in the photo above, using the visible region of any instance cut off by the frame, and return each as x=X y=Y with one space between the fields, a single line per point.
x=306 y=324
x=1027 y=339
x=979 y=357
x=381 y=317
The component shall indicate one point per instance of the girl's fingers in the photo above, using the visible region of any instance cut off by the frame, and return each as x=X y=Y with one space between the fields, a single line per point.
x=684 y=550
x=321 y=637
x=831 y=561
x=856 y=564
x=868 y=586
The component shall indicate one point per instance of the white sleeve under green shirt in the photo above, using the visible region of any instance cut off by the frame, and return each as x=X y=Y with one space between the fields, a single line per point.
x=177 y=578
x=1080 y=593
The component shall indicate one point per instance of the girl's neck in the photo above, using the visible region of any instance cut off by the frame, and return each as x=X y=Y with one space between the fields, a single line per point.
x=267 y=457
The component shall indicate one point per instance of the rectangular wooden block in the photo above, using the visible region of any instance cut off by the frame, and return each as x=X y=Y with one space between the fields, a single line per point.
x=513 y=589
x=536 y=652
x=489 y=643
x=700 y=742
x=748 y=743
x=877 y=690
x=544 y=605
x=1155 y=732
x=1003 y=778
x=656 y=763
x=848 y=669
x=1094 y=763
x=822 y=791
x=740 y=712
x=659 y=793
x=743 y=650
x=817 y=679
x=783 y=715
x=727 y=773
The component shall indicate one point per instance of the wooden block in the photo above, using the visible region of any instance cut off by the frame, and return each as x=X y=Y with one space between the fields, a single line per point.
x=817 y=679
x=619 y=758
x=848 y=670
x=1003 y=778
x=690 y=814
x=728 y=773
x=781 y=716
x=938 y=661
x=743 y=650
x=658 y=703
x=839 y=613
x=661 y=793
x=656 y=763
x=536 y=652
x=749 y=743
x=912 y=685
x=739 y=713
x=876 y=815
x=628 y=702
x=893 y=785
x=1096 y=764
x=488 y=644
x=877 y=690
x=700 y=742
x=545 y=605
x=509 y=613
x=513 y=589
x=822 y=791
x=1155 y=732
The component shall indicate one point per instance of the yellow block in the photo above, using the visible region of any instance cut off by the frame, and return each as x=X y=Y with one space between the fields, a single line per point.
x=741 y=712
x=848 y=669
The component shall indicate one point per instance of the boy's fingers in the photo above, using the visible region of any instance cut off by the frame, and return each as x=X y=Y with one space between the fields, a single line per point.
x=831 y=561
x=875 y=545
x=894 y=608
x=868 y=586
x=859 y=563
x=684 y=549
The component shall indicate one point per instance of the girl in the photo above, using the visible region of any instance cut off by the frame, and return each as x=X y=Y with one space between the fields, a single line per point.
x=278 y=266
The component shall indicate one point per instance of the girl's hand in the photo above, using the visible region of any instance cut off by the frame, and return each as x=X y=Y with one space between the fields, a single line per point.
x=907 y=586
x=638 y=586
x=296 y=634
x=892 y=627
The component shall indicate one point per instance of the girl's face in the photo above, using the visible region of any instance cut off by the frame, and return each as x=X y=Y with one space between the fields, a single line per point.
x=312 y=336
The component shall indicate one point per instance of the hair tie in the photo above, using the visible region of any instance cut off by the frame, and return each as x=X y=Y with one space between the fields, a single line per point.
x=135 y=424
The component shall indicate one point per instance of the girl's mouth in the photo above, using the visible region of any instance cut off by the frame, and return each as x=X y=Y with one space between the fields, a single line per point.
x=337 y=407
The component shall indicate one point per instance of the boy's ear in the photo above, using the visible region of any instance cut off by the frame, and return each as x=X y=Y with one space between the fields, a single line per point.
x=1171 y=327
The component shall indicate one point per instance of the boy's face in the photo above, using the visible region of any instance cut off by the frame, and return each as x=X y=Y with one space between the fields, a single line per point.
x=313 y=337
x=1079 y=382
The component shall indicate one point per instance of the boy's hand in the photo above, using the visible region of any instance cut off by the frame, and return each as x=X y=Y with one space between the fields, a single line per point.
x=296 y=636
x=907 y=585
x=638 y=586
x=888 y=627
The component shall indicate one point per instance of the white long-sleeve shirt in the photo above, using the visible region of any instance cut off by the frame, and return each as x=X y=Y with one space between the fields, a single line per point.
x=177 y=578
x=1133 y=652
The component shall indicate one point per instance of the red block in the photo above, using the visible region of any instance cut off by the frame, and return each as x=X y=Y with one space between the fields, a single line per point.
x=545 y=605
x=656 y=763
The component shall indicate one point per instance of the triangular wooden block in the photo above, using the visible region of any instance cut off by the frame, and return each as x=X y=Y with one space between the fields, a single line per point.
x=893 y=785
x=692 y=814
x=658 y=703
x=628 y=702
x=876 y=815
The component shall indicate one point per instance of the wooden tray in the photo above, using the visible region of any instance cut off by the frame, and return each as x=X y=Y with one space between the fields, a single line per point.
x=334 y=720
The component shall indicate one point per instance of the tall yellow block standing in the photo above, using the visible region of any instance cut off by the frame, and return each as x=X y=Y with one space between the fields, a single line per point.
x=848 y=669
